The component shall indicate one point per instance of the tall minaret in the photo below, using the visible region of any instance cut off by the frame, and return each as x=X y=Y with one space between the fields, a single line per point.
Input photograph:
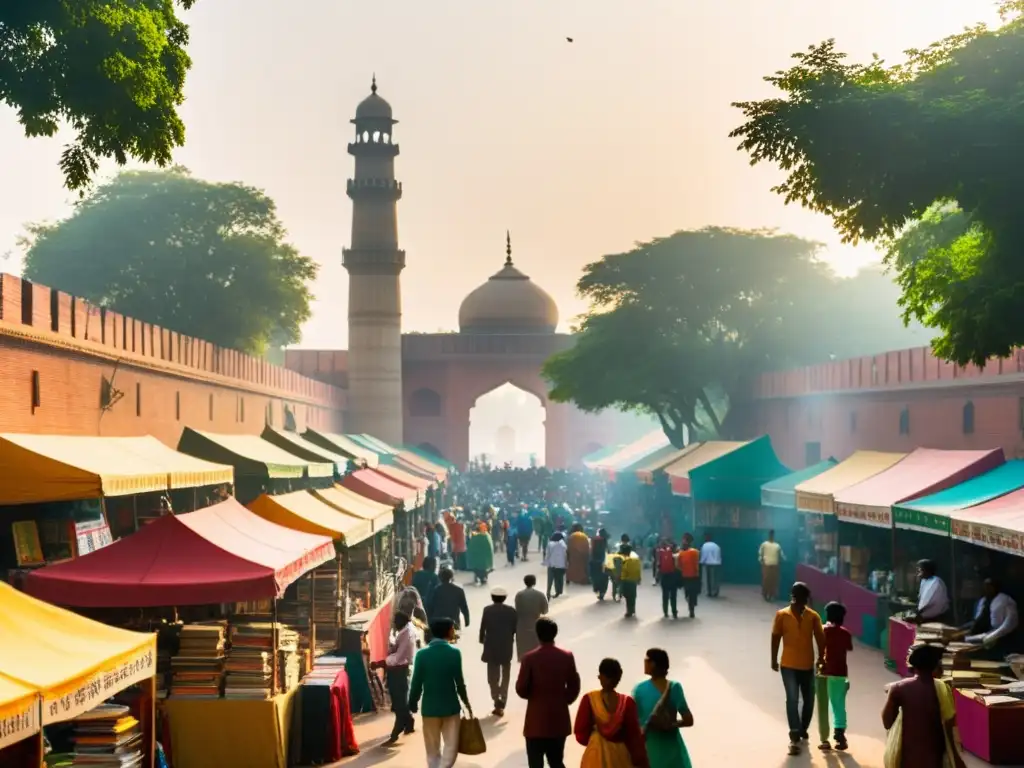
x=374 y=263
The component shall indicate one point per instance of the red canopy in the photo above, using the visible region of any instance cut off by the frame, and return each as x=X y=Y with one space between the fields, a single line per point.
x=220 y=554
x=373 y=485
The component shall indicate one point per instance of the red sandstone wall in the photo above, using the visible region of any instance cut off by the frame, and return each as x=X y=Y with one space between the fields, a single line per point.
x=167 y=380
x=856 y=404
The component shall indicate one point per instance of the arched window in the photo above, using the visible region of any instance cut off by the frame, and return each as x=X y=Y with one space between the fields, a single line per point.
x=425 y=402
x=968 y=418
x=289 y=419
x=387 y=138
x=905 y=421
x=376 y=136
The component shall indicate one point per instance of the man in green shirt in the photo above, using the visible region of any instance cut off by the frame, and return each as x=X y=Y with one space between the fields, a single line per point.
x=437 y=678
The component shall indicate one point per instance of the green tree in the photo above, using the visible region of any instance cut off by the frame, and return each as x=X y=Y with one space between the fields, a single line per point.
x=678 y=326
x=111 y=70
x=874 y=146
x=204 y=259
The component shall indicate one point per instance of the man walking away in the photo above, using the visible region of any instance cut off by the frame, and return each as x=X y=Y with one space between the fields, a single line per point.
x=770 y=555
x=530 y=605
x=668 y=577
x=524 y=532
x=497 y=634
x=550 y=683
x=689 y=572
x=632 y=572
x=798 y=628
x=557 y=558
x=401 y=654
x=711 y=564
x=426 y=582
x=437 y=678
x=449 y=600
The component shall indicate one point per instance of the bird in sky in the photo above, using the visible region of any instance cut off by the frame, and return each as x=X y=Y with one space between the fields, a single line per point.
x=569 y=39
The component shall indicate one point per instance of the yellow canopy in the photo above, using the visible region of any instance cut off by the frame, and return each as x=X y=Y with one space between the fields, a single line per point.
x=74 y=662
x=183 y=471
x=353 y=504
x=19 y=711
x=40 y=468
x=302 y=511
x=646 y=470
x=818 y=493
x=700 y=455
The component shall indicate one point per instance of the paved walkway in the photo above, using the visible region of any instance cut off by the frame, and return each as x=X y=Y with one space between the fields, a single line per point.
x=721 y=658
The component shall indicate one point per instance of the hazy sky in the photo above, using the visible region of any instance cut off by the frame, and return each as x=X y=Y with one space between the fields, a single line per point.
x=580 y=149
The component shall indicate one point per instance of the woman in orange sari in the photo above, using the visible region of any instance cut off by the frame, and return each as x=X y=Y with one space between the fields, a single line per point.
x=607 y=724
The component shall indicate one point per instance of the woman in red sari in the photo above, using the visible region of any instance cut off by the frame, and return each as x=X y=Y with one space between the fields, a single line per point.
x=607 y=724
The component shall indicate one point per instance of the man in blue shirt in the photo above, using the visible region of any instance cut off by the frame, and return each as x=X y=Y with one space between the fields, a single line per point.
x=524 y=529
x=437 y=678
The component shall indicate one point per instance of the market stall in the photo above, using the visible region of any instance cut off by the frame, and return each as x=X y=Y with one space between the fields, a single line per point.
x=339 y=443
x=647 y=468
x=221 y=709
x=726 y=494
x=920 y=521
x=70 y=666
x=631 y=453
x=818 y=558
x=304 y=449
x=259 y=466
x=71 y=495
x=682 y=516
x=868 y=565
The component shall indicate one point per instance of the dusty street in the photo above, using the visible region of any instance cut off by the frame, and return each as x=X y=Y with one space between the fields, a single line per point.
x=721 y=658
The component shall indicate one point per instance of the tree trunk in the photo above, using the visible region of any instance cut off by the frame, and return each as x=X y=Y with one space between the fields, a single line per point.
x=673 y=429
x=710 y=411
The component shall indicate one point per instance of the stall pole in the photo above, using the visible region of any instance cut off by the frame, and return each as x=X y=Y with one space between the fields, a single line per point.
x=274 y=641
x=374 y=566
x=343 y=574
x=312 y=620
x=148 y=687
x=135 y=513
x=952 y=581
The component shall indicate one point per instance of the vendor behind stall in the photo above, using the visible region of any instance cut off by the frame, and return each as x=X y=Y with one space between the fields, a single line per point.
x=995 y=623
x=932 y=597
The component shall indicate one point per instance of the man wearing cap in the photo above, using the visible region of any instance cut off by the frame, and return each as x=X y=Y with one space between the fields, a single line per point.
x=497 y=635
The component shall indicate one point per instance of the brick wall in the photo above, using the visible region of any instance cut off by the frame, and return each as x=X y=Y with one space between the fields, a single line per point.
x=166 y=380
x=896 y=401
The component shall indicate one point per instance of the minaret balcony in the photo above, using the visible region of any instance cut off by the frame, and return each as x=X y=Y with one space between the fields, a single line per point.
x=373 y=148
x=374 y=189
x=373 y=260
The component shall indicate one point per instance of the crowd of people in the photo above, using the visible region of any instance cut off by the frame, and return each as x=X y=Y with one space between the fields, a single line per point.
x=643 y=728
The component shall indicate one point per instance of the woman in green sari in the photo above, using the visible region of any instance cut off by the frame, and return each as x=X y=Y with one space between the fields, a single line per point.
x=480 y=554
x=663 y=711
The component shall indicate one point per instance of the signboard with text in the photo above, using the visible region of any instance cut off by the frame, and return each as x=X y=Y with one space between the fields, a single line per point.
x=878 y=517
x=92 y=690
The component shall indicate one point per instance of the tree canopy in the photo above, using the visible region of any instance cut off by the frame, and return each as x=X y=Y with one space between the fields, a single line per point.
x=111 y=71
x=677 y=326
x=874 y=146
x=204 y=259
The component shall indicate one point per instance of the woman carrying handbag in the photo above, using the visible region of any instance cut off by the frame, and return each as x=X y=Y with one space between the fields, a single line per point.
x=663 y=711
x=920 y=717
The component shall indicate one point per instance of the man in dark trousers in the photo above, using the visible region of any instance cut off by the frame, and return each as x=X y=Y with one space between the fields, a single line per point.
x=449 y=600
x=549 y=682
x=401 y=653
x=497 y=636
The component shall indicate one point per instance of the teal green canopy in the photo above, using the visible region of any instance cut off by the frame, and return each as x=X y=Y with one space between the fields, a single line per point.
x=931 y=514
x=430 y=456
x=781 y=492
x=369 y=441
x=738 y=475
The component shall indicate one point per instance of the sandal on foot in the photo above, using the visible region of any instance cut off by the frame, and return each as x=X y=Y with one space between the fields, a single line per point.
x=794 y=748
x=825 y=746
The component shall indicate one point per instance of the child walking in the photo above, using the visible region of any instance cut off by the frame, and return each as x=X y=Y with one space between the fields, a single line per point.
x=832 y=682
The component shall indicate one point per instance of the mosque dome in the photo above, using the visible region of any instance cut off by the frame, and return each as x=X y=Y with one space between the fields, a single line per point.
x=509 y=302
x=373 y=107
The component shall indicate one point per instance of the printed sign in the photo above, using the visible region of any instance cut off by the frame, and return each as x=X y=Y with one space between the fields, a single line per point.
x=19 y=721
x=990 y=537
x=27 y=548
x=89 y=692
x=92 y=536
x=713 y=515
x=879 y=517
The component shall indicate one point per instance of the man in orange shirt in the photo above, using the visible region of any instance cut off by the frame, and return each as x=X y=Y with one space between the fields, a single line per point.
x=688 y=561
x=798 y=628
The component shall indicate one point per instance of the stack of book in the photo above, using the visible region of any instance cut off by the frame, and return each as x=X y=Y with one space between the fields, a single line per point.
x=197 y=668
x=325 y=669
x=250 y=660
x=108 y=737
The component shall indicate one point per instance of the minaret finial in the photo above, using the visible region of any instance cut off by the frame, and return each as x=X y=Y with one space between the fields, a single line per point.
x=373 y=85
x=508 y=249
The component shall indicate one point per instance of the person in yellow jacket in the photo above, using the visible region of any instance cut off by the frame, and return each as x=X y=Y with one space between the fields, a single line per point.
x=632 y=572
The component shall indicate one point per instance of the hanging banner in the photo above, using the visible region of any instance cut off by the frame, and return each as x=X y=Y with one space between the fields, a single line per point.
x=89 y=691
x=990 y=537
x=877 y=517
x=19 y=719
